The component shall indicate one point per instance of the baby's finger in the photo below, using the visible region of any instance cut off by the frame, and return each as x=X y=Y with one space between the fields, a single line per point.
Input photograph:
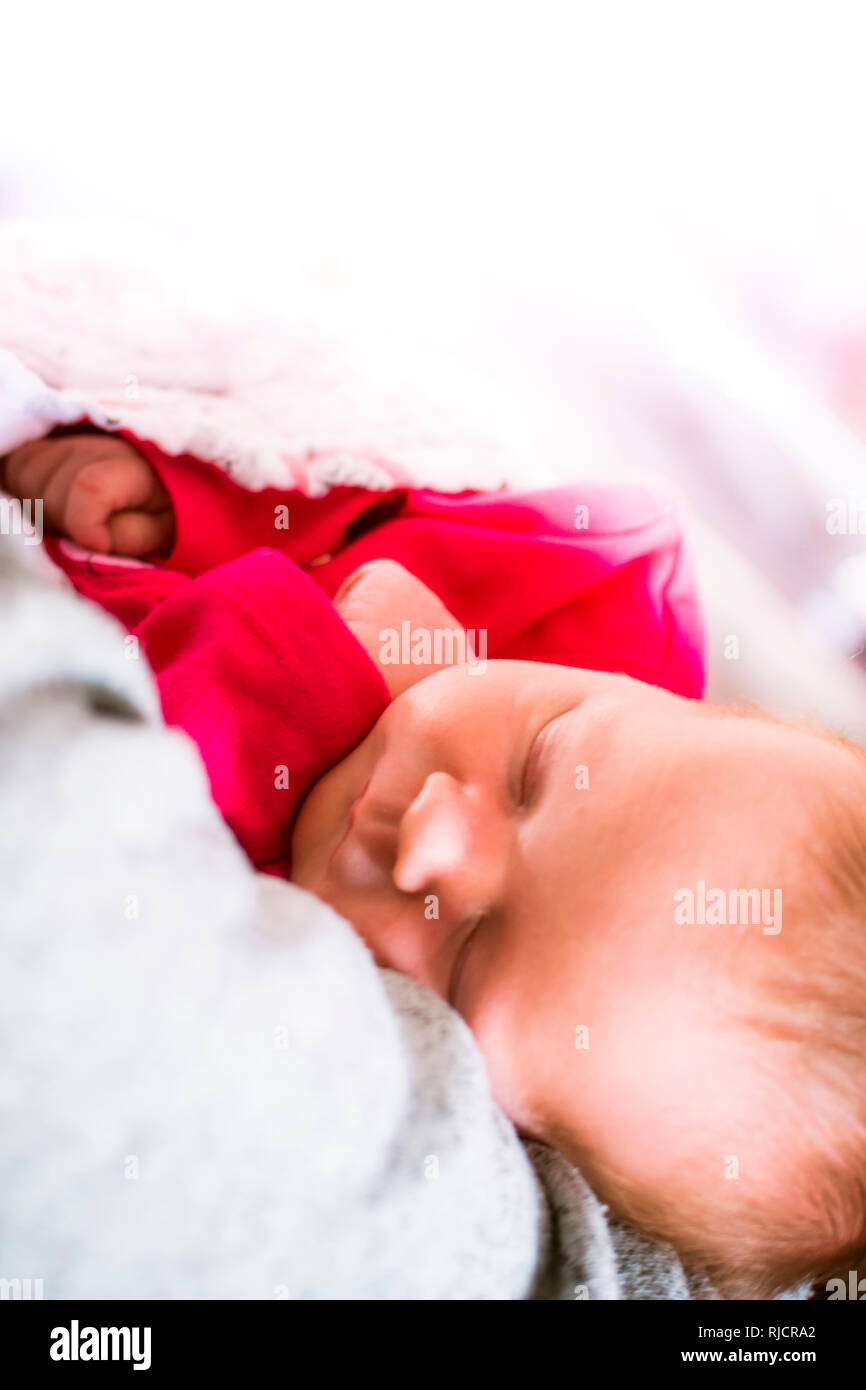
x=58 y=479
x=138 y=534
x=29 y=468
x=100 y=489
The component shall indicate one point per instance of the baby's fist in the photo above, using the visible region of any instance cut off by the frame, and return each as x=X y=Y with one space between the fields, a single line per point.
x=97 y=490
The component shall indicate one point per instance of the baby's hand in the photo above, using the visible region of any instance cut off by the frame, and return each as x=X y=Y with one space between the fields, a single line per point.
x=378 y=597
x=97 y=490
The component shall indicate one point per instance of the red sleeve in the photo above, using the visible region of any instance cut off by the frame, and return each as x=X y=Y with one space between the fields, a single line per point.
x=250 y=656
x=593 y=574
x=216 y=519
x=254 y=663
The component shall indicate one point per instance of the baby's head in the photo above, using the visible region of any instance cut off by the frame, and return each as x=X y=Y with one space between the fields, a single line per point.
x=565 y=856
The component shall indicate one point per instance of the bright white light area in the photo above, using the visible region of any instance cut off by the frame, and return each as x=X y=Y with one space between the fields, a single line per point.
x=373 y=138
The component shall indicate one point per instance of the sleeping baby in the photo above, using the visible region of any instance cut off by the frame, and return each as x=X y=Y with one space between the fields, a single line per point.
x=648 y=909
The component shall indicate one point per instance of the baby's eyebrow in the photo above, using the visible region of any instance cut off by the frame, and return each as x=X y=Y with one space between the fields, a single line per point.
x=592 y=742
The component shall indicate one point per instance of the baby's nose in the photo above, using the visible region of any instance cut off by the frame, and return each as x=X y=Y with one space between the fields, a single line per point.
x=451 y=842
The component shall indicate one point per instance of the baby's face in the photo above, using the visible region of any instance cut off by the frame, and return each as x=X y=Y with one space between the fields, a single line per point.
x=515 y=838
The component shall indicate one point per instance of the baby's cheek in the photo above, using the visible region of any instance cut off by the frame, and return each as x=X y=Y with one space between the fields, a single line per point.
x=510 y=1055
x=655 y=1074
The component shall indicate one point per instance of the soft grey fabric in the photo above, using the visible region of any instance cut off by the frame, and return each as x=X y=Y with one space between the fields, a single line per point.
x=206 y=1090
x=592 y=1256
